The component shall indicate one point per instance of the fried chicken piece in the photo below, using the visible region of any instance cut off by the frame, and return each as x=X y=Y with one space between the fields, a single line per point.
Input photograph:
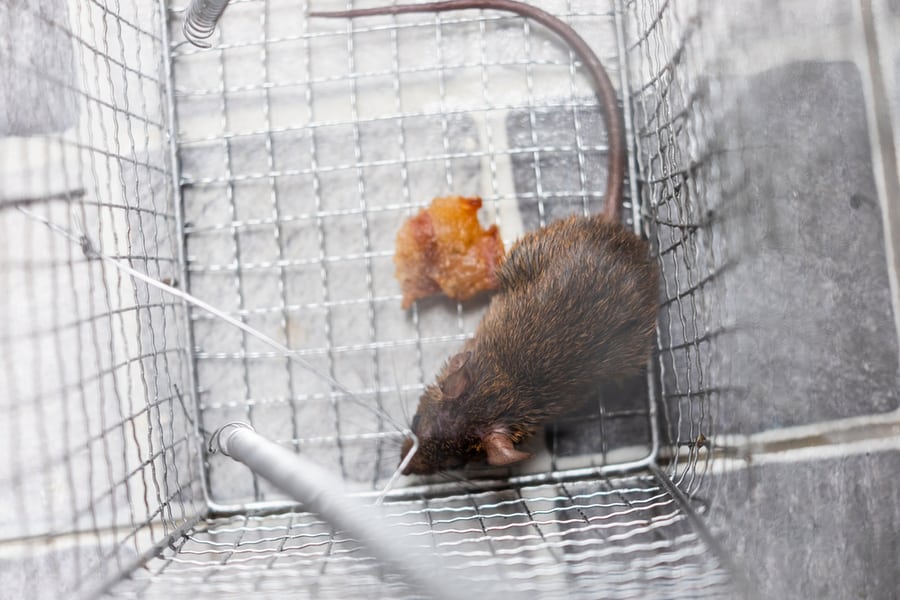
x=444 y=249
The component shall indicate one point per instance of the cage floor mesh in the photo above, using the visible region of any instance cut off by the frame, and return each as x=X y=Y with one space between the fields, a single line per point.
x=627 y=537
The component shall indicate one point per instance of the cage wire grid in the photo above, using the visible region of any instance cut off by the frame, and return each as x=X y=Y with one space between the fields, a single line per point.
x=682 y=187
x=289 y=214
x=627 y=537
x=295 y=176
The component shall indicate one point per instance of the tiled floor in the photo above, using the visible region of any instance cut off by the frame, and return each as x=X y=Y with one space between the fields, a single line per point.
x=802 y=526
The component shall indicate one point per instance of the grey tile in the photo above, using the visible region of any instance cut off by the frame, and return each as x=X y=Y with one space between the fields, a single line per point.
x=616 y=418
x=550 y=181
x=45 y=573
x=813 y=529
x=808 y=333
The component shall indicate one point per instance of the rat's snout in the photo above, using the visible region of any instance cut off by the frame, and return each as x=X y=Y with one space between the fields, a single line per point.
x=422 y=462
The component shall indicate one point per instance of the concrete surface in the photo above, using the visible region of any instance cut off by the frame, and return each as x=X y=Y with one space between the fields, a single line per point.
x=814 y=528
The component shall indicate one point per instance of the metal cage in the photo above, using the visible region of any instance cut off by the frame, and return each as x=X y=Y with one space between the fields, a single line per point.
x=267 y=175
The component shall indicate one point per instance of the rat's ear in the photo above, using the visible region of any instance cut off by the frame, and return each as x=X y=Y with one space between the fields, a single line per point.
x=500 y=450
x=458 y=376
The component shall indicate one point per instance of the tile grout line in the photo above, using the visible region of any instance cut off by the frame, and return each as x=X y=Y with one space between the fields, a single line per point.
x=846 y=449
x=830 y=438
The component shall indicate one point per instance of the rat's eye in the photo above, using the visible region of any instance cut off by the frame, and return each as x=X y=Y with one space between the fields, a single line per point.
x=415 y=423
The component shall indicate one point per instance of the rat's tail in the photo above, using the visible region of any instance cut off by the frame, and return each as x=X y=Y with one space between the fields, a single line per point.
x=606 y=93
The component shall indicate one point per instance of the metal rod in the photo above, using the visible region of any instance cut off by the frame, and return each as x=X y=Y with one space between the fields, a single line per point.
x=323 y=493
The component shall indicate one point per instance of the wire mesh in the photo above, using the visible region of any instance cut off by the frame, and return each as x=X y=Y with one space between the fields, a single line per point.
x=99 y=461
x=304 y=144
x=627 y=537
x=682 y=188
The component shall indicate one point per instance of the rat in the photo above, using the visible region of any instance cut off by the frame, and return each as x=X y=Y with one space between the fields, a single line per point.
x=576 y=306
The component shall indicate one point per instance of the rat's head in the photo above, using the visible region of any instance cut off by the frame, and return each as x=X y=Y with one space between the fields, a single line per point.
x=439 y=422
x=434 y=455
x=452 y=427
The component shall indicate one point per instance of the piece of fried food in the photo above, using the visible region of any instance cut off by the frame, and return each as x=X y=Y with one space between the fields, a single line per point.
x=444 y=249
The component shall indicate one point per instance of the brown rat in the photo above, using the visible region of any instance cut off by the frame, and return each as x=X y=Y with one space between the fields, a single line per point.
x=576 y=306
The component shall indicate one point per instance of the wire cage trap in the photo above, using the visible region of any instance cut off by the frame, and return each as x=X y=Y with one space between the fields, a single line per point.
x=266 y=172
